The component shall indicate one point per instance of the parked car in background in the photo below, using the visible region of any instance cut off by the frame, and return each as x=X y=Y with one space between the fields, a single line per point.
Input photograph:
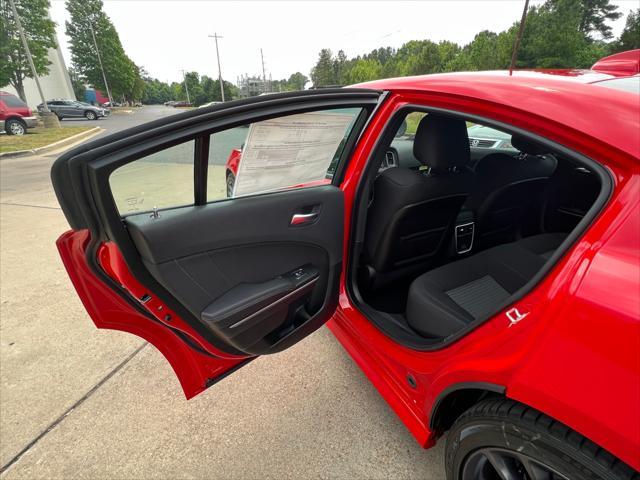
x=15 y=116
x=182 y=103
x=75 y=109
x=210 y=104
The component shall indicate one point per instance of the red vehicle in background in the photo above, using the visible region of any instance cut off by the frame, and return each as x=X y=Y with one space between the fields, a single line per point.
x=494 y=296
x=15 y=116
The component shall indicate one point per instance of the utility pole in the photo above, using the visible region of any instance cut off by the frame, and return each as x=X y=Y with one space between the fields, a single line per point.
x=184 y=78
x=264 y=75
x=104 y=77
x=28 y=53
x=516 y=44
x=216 y=37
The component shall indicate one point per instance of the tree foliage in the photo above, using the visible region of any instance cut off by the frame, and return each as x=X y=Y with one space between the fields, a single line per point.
x=557 y=34
x=122 y=74
x=630 y=36
x=295 y=82
x=78 y=85
x=202 y=89
x=40 y=32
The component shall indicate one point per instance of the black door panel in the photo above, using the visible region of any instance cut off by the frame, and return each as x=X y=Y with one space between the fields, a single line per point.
x=234 y=264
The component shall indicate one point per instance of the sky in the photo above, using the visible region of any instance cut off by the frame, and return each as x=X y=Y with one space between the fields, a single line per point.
x=168 y=36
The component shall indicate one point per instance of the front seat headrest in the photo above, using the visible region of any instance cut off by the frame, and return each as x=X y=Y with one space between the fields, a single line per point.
x=527 y=146
x=441 y=142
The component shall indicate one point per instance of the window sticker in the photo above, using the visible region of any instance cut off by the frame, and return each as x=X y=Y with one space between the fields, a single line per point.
x=290 y=151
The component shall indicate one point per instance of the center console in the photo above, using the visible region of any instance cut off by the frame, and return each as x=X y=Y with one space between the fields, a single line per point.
x=464 y=232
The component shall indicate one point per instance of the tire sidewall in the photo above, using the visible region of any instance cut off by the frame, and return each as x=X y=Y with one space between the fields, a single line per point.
x=8 y=125
x=231 y=180
x=475 y=434
x=91 y=115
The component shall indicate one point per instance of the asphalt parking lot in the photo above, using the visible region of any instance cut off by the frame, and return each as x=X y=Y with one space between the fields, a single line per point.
x=76 y=402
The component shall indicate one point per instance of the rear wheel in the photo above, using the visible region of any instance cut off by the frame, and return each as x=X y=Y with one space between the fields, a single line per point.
x=231 y=180
x=503 y=439
x=15 y=127
x=90 y=115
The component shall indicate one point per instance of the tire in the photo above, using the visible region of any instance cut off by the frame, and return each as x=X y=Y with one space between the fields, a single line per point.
x=90 y=115
x=15 y=127
x=500 y=434
x=231 y=181
x=60 y=117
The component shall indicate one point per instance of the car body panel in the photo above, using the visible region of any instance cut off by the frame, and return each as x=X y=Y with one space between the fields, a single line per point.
x=22 y=113
x=556 y=97
x=619 y=64
x=498 y=354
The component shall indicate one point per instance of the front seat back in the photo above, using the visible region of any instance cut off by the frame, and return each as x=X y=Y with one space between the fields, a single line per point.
x=508 y=192
x=412 y=212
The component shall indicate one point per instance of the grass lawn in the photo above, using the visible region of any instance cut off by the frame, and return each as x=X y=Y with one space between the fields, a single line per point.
x=37 y=137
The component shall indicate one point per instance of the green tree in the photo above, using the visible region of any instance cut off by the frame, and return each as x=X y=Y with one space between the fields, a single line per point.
x=552 y=38
x=364 y=70
x=297 y=81
x=40 y=32
x=323 y=73
x=122 y=74
x=630 y=36
x=78 y=85
x=418 y=57
x=595 y=15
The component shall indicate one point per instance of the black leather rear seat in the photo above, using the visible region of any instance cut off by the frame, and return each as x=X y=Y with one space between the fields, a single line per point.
x=446 y=299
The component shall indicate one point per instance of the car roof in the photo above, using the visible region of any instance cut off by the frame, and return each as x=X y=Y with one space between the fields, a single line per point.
x=558 y=95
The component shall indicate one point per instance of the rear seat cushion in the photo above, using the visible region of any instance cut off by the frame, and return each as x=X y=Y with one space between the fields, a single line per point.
x=544 y=244
x=446 y=299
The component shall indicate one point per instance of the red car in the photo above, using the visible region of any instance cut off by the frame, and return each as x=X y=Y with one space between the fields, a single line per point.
x=15 y=115
x=496 y=298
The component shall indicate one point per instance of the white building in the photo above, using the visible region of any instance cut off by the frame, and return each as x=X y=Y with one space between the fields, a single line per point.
x=56 y=84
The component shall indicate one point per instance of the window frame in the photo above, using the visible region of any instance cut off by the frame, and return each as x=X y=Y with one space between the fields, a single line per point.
x=359 y=216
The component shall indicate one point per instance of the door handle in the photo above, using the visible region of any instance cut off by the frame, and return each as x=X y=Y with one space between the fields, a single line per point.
x=304 y=218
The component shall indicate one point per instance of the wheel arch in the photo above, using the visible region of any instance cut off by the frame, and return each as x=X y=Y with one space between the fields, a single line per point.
x=454 y=400
x=17 y=118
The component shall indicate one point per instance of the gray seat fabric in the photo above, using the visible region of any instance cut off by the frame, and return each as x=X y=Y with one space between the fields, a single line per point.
x=412 y=212
x=508 y=191
x=446 y=299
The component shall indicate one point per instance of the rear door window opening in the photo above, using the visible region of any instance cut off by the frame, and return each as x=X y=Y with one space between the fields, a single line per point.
x=457 y=217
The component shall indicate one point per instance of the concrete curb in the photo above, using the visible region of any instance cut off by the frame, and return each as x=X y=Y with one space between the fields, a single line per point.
x=69 y=141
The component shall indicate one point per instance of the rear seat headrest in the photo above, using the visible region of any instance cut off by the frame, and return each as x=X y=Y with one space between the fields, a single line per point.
x=527 y=146
x=441 y=142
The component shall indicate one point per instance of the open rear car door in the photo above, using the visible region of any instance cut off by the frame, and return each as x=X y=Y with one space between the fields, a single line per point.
x=213 y=282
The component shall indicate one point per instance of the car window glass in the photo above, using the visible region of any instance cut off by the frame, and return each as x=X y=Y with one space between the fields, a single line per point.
x=13 y=101
x=626 y=84
x=293 y=151
x=160 y=180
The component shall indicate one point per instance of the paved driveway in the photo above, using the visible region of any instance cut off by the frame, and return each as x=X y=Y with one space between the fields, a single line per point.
x=120 y=121
x=76 y=402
